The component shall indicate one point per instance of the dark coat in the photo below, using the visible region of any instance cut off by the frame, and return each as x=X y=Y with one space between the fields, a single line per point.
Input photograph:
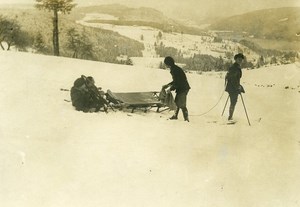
x=232 y=78
x=85 y=98
x=179 y=83
x=81 y=98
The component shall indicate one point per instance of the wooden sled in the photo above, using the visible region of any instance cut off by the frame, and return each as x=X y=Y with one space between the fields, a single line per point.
x=136 y=100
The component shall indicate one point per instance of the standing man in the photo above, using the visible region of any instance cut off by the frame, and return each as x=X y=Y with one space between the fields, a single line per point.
x=181 y=87
x=232 y=79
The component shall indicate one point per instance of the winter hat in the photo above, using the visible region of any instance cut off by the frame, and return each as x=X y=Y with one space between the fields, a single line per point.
x=79 y=82
x=90 y=79
x=169 y=61
x=239 y=55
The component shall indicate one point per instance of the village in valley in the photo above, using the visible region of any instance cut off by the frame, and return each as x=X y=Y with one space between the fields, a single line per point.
x=218 y=44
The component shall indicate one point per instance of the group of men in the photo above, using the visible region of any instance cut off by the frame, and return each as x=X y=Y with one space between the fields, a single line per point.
x=182 y=87
x=87 y=97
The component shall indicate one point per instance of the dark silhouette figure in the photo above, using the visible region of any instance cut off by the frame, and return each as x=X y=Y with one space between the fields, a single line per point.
x=181 y=87
x=233 y=86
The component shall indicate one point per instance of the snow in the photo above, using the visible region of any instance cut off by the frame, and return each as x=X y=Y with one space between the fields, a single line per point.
x=52 y=155
x=95 y=16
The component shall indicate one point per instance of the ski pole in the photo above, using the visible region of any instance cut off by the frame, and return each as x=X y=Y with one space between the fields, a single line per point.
x=225 y=105
x=245 y=109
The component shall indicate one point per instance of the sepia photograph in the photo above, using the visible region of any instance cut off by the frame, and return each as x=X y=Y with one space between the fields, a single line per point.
x=136 y=103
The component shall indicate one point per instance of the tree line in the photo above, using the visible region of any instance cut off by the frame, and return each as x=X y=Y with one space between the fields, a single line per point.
x=12 y=35
x=274 y=55
x=40 y=32
x=164 y=26
x=198 y=62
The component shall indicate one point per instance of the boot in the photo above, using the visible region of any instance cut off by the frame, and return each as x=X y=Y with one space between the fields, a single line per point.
x=185 y=114
x=175 y=116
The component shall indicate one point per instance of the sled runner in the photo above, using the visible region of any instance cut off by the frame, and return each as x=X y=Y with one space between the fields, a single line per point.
x=136 y=100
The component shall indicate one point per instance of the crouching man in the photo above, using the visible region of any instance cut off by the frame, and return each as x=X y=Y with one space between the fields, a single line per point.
x=86 y=97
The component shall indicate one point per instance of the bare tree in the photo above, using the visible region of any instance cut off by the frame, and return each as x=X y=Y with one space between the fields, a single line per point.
x=39 y=44
x=12 y=35
x=56 y=6
x=80 y=45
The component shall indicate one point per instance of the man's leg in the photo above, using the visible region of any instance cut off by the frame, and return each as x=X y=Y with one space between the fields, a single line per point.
x=185 y=114
x=233 y=100
x=181 y=103
x=175 y=116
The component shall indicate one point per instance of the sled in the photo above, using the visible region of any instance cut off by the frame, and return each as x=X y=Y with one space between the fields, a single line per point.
x=136 y=100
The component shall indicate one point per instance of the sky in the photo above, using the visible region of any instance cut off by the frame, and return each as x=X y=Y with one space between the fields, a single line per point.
x=197 y=8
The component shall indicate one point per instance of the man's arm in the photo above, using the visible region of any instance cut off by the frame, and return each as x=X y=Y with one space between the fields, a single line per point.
x=167 y=85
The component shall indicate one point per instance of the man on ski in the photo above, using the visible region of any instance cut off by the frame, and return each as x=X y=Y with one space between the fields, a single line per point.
x=232 y=79
x=181 y=87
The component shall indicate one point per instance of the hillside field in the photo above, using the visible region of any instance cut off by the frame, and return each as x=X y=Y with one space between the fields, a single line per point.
x=54 y=156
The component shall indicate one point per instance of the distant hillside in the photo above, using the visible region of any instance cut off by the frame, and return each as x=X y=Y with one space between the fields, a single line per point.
x=126 y=13
x=279 y=23
x=106 y=45
x=142 y=16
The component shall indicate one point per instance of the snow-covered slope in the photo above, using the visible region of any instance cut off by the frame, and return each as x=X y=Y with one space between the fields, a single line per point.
x=54 y=156
x=187 y=44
